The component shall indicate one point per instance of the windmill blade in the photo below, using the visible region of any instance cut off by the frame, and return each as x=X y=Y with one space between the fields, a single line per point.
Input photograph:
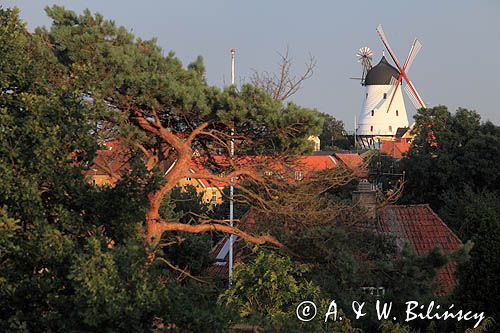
x=393 y=83
x=365 y=55
x=414 y=96
x=395 y=89
x=415 y=47
x=386 y=44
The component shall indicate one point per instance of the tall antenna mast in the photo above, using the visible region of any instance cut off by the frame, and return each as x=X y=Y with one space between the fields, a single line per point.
x=231 y=190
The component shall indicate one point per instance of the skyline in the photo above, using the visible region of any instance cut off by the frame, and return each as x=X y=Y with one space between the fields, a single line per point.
x=456 y=67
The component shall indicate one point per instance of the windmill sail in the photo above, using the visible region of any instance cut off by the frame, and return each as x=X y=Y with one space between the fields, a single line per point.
x=414 y=97
x=409 y=88
x=416 y=46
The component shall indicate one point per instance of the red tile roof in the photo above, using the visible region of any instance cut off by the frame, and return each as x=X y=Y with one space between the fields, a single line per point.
x=395 y=149
x=354 y=162
x=423 y=230
x=350 y=160
x=306 y=164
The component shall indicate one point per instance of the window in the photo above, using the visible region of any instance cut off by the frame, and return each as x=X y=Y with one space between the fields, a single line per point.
x=366 y=95
x=397 y=113
x=385 y=95
x=214 y=198
x=371 y=128
x=390 y=128
x=373 y=112
x=299 y=175
x=188 y=179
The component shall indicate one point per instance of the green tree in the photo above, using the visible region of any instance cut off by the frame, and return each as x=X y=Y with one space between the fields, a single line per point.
x=268 y=289
x=72 y=255
x=333 y=134
x=449 y=152
x=476 y=217
x=453 y=164
x=170 y=113
x=478 y=279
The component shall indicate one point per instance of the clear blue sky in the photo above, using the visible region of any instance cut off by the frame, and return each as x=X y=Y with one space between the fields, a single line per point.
x=459 y=64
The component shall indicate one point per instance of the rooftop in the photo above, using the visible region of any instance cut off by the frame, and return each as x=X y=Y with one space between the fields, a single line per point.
x=423 y=230
x=381 y=73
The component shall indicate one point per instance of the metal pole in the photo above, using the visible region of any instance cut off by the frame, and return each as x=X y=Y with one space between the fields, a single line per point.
x=231 y=189
x=355 y=139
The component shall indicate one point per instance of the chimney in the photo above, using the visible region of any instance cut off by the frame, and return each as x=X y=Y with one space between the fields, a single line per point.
x=366 y=198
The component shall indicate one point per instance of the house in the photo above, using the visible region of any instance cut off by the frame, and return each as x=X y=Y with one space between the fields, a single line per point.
x=423 y=230
x=416 y=225
x=107 y=164
x=316 y=142
x=399 y=145
x=211 y=192
x=113 y=158
x=395 y=149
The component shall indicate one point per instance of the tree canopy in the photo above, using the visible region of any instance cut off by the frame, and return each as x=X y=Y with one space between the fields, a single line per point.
x=168 y=113
x=72 y=254
x=450 y=152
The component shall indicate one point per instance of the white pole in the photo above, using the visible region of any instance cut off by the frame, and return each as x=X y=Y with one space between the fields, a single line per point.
x=355 y=139
x=231 y=189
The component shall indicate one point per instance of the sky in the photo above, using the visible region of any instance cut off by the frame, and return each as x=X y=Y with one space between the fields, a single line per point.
x=458 y=65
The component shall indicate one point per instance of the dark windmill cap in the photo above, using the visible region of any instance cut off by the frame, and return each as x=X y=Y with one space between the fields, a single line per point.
x=381 y=73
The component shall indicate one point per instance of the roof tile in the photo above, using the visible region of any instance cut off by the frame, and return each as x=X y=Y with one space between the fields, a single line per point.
x=422 y=228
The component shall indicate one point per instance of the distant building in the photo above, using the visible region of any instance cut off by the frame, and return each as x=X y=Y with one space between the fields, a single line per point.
x=317 y=142
x=398 y=146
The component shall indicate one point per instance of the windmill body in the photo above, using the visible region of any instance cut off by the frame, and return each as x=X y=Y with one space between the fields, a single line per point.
x=377 y=118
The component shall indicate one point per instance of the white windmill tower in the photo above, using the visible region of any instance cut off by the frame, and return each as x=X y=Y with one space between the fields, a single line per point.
x=383 y=110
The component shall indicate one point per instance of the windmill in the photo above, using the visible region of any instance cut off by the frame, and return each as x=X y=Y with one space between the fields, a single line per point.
x=383 y=110
x=365 y=55
x=409 y=88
